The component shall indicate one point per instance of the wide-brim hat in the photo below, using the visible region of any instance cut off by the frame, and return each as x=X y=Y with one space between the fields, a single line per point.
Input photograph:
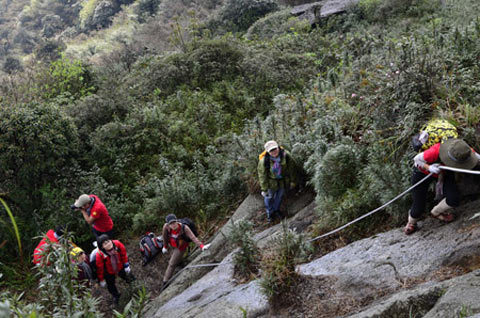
x=458 y=154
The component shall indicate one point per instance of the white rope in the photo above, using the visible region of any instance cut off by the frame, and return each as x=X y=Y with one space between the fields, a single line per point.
x=371 y=212
x=345 y=225
x=459 y=170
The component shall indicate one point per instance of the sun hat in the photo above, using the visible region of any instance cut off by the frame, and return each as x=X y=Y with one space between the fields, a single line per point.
x=270 y=145
x=82 y=200
x=458 y=154
x=170 y=218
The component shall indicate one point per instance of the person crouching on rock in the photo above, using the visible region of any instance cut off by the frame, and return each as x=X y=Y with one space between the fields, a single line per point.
x=454 y=153
x=178 y=236
x=112 y=260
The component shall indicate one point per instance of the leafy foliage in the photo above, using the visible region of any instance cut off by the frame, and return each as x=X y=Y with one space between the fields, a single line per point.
x=278 y=266
x=247 y=259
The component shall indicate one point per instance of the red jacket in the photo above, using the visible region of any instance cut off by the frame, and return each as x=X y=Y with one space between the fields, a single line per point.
x=37 y=253
x=103 y=222
x=104 y=260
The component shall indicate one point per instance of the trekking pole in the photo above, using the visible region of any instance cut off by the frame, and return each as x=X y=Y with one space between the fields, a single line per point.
x=373 y=211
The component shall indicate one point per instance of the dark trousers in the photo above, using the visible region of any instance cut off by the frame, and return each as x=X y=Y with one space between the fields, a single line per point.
x=98 y=233
x=419 y=193
x=110 y=280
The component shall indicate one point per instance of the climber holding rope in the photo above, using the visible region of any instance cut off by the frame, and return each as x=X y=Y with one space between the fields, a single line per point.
x=454 y=153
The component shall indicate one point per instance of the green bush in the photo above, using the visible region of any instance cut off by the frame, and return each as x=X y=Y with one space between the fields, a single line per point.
x=247 y=259
x=38 y=144
x=59 y=294
x=278 y=265
x=277 y=24
x=239 y=15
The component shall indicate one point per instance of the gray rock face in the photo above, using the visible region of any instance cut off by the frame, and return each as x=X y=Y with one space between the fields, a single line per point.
x=388 y=259
x=216 y=296
x=382 y=265
x=219 y=248
x=313 y=12
x=450 y=298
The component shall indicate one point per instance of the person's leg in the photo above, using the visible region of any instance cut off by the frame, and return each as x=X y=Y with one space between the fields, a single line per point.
x=172 y=263
x=112 y=288
x=450 y=190
x=419 y=194
x=452 y=199
x=269 y=200
x=277 y=199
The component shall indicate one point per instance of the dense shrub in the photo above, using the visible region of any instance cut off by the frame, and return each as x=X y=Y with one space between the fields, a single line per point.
x=278 y=265
x=247 y=258
x=276 y=24
x=239 y=15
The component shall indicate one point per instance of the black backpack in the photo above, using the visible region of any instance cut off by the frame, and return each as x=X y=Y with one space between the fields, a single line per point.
x=150 y=246
x=191 y=225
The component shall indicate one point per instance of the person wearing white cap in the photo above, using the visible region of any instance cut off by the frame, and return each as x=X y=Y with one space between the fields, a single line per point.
x=95 y=213
x=276 y=173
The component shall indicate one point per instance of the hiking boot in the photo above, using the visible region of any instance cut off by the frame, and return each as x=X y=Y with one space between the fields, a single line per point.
x=440 y=211
x=411 y=225
x=116 y=300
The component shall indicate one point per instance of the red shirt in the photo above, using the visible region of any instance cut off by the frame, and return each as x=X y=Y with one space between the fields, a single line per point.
x=103 y=222
x=37 y=254
x=174 y=237
x=106 y=259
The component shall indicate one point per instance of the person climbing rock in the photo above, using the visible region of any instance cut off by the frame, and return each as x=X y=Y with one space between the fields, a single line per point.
x=111 y=260
x=454 y=153
x=178 y=235
x=51 y=237
x=95 y=213
x=276 y=173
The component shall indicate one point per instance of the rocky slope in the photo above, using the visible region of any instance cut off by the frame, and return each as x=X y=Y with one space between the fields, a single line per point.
x=432 y=273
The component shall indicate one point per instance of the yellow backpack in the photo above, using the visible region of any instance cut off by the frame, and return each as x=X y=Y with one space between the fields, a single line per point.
x=435 y=131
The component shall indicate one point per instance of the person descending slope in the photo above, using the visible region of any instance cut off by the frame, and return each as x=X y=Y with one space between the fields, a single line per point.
x=453 y=153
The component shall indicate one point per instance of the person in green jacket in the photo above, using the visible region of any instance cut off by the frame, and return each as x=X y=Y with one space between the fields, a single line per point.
x=276 y=173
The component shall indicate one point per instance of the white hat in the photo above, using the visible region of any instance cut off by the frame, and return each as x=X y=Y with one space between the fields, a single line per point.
x=82 y=200
x=271 y=144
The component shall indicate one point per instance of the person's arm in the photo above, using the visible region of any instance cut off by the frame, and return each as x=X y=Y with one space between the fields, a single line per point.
x=122 y=251
x=99 y=264
x=291 y=168
x=90 y=219
x=192 y=236
x=165 y=235
x=262 y=175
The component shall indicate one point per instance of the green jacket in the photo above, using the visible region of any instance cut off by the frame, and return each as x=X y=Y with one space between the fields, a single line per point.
x=267 y=178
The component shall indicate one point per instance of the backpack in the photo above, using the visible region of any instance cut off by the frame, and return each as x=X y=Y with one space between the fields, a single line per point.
x=191 y=225
x=150 y=246
x=433 y=132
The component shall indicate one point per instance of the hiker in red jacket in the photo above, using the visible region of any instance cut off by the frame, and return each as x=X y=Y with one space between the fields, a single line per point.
x=95 y=213
x=174 y=234
x=112 y=260
x=454 y=153
x=50 y=237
